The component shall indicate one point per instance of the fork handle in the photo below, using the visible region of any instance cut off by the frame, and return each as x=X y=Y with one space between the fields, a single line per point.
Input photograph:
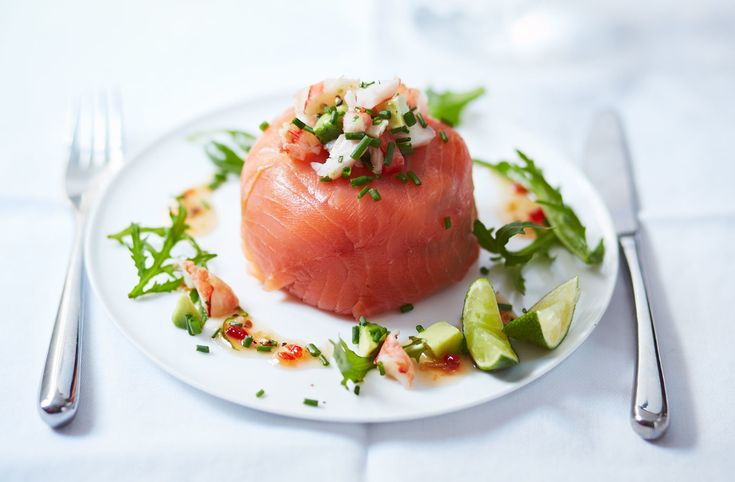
x=59 y=395
x=650 y=407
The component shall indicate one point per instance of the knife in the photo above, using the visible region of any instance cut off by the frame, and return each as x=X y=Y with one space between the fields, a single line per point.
x=607 y=164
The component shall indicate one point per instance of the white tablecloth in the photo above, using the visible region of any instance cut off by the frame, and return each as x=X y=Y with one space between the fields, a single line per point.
x=670 y=70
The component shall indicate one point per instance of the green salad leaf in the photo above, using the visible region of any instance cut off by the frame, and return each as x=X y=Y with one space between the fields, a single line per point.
x=447 y=106
x=496 y=242
x=352 y=366
x=225 y=157
x=564 y=226
x=561 y=218
x=155 y=266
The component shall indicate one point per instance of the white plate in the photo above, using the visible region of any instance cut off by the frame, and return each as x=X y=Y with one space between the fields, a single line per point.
x=144 y=188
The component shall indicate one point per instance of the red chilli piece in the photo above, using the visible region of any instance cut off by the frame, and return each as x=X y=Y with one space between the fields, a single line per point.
x=519 y=188
x=452 y=361
x=290 y=352
x=537 y=216
x=236 y=332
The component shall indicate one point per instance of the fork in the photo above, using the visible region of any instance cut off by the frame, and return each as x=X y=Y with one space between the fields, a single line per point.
x=96 y=147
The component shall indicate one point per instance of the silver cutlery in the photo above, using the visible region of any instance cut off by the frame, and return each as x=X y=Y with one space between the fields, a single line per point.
x=97 y=146
x=607 y=163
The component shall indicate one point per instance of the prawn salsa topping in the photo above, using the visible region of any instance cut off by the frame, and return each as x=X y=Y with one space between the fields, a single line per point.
x=371 y=127
x=368 y=130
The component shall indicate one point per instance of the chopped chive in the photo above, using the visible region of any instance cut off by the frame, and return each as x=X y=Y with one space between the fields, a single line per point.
x=410 y=118
x=355 y=335
x=247 y=341
x=363 y=191
x=444 y=136
x=357 y=390
x=385 y=114
x=369 y=111
x=419 y=328
x=405 y=149
x=216 y=333
x=403 y=140
x=313 y=350
x=360 y=180
x=406 y=308
x=365 y=159
x=362 y=320
x=311 y=402
x=402 y=177
x=396 y=130
x=189 y=326
x=235 y=323
x=505 y=307
x=263 y=126
x=374 y=142
x=324 y=360
x=447 y=222
x=389 y=149
x=381 y=368
x=325 y=179
x=360 y=148
x=354 y=136
x=270 y=343
x=421 y=120
x=484 y=270
x=374 y=194
x=347 y=172
x=194 y=296
x=301 y=125
x=412 y=175
x=260 y=393
x=203 y=348
x=264 y=348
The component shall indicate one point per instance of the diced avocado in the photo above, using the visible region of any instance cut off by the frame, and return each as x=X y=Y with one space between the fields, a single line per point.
x=185 y=307
x=371 y=335
x=329 y=126
x=441 y=339
x=397 y=106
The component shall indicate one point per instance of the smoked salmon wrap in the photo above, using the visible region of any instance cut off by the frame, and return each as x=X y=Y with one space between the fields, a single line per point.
x=356 y=201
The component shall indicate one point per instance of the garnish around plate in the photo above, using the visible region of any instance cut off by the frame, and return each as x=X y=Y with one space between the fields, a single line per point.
x=392 y=183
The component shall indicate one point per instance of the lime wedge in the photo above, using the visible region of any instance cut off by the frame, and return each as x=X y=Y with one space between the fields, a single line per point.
x=547 y=322
x=483 y=328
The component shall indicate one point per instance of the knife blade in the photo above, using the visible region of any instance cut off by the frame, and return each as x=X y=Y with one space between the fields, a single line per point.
x=607 y=164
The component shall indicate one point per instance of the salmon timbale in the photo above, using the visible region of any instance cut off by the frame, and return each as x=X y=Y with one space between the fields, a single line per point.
x=374 y=227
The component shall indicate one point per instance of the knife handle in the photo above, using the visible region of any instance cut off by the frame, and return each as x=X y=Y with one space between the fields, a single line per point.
x=650 y=407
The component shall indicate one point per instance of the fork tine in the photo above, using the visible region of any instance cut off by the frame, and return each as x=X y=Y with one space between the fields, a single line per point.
x=99 y=130
x=80 y=155
x=114 y=136
x=74 y=149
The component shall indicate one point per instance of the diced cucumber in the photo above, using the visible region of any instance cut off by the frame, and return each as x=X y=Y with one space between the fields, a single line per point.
x=329 y=126
x=185 y=307
x=371 y=335
x=442 y=339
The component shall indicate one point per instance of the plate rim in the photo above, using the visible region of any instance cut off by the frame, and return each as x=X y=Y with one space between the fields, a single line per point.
x=113 y=178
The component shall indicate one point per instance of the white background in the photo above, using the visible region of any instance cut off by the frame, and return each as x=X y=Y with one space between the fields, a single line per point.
x=668 y=67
